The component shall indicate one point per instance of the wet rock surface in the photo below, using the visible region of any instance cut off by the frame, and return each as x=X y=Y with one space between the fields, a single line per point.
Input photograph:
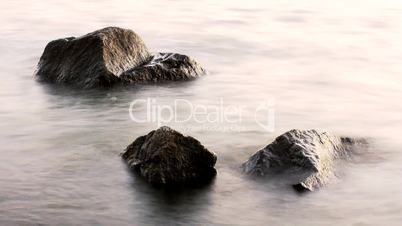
x=305 y=158
x=166 y=157
x=111 y=56
x=164 y=67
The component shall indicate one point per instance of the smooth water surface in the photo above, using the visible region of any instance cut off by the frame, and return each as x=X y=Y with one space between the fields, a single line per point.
x=329 y=65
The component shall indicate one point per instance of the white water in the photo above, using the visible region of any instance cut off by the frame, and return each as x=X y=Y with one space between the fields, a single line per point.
x=329 y=65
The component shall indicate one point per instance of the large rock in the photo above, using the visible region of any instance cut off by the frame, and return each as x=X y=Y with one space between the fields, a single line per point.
x=108 y=57
x=166 y=157
x=94 y=60
x=305 y=158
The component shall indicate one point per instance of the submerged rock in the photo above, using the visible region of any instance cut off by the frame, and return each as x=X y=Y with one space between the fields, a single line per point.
x=305 y=157
x=166 y=157
x=110 y=56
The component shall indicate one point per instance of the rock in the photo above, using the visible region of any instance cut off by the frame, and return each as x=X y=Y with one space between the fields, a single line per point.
x=93 y=60
x=305 y=157
x=164 y=67
x=108 y=57
x=166 y=157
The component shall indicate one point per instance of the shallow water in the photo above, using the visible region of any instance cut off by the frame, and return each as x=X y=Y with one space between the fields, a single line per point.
x=332 y=65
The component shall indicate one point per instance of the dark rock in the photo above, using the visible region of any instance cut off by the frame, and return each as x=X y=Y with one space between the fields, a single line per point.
x=166 y=157
x=305 y=157
x=108 y=57
x=164 y=67
x=93 y=60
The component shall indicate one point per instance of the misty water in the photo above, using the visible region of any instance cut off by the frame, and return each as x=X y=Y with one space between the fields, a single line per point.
x=329 y=65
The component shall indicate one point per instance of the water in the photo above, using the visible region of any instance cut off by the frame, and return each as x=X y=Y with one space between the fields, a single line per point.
x=332 y=65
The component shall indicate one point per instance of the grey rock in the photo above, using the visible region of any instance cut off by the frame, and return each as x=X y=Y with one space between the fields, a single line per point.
x=166 y=157
x=108 y=57
x=164 y=67
x=94 y=60
x=305 y=157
